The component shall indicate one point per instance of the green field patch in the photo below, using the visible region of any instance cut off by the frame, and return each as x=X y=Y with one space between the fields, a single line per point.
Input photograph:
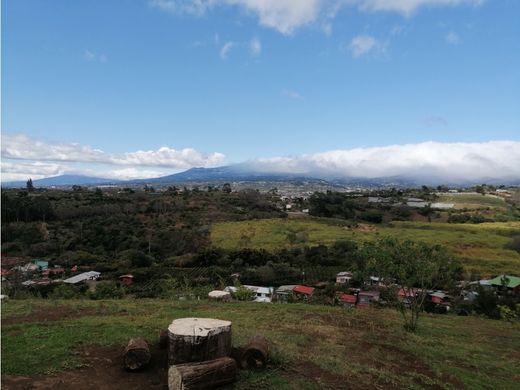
x=481 y=247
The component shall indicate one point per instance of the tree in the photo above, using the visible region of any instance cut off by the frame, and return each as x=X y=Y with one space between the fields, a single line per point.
x=30 y=186
x=226 y=188
x=414 y=267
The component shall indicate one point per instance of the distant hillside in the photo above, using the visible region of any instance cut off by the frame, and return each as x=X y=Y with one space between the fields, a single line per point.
x=245 y=172
x=62 y=181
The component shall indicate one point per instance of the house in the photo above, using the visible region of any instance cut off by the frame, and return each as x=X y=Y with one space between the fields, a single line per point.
x=511 y=283
x=83 y=277
x=348 y=300
x=53 y=271
x=407 y=292
x=303 y=291
x=29 y=267
x=38 y=282
x=263 y=294
x=375 y=281
x=41 y=264
x=438 y=297
x=231 y=289
x=126 y=280
x=284 y=293
x=367 y=298
x=343 y=277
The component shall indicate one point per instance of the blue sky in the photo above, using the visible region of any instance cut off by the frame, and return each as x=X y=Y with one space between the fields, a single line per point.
x=222 y=81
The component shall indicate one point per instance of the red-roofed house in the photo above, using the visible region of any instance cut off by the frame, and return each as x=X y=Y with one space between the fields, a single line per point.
x=126 y=280
x=348 y=300
x=304 y=291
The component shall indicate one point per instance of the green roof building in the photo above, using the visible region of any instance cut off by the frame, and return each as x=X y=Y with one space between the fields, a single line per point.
x=511 y=281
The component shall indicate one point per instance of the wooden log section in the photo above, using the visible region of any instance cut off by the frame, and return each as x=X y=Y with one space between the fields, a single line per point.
x=163 y=339
x=202 y=375
x=255 y=354
x=198 y=339
x=137 y=354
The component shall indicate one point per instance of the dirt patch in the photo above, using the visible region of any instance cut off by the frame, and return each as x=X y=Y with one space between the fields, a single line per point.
x=58 y=314
x=325 y=379
x=364 y=227
x=103 y=371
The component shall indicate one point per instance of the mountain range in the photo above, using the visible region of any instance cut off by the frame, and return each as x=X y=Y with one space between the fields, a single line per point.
x=243 y=173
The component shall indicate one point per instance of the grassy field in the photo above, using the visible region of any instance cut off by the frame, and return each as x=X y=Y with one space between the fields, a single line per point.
x=481 y=247
x=314 y=347
x=474 y=201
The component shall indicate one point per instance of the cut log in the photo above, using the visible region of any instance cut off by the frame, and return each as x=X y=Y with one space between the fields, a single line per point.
x=202 y=375
x=137 y=354
x=255 y=354
x=198 y=340
x=163 y=339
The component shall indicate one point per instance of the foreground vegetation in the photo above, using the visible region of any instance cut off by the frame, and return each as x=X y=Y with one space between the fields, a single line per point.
x=482 y=248
x=314 y=347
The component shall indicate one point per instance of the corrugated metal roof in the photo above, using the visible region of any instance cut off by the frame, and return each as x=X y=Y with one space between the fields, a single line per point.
x=286 y=288
x=304 y=290
x=348 y=298
x=512 y=281
x=82 y=277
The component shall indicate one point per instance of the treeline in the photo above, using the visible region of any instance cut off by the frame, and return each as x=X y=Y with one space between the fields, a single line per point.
x=57 y=224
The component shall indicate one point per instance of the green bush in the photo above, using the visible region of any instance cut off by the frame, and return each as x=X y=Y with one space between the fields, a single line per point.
x=243 y=294
x=106 y=290
x=64 y=291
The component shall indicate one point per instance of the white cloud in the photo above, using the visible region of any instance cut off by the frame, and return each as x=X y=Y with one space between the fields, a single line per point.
x=226 y=48
x=127 y=174
x=193 y=7
x=255 y=47
x=452 y=38
x=14 y=171
x=22 y=147
x=426 y=161
x=409 y=7
x=286 y=16
x=91 y=56
x=292 y=94
x=362 y=44
x=282 y=15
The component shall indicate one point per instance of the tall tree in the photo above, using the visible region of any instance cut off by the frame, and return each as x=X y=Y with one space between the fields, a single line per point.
x=29 y=185
x=414 y=267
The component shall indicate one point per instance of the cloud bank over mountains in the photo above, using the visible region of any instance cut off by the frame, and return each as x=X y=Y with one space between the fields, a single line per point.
x=24 y=157
x=286 y=16
x=445 y=161
x=37 y=156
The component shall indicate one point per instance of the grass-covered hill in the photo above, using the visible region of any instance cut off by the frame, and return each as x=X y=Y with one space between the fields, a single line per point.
x=482 y=248
x=55 y=344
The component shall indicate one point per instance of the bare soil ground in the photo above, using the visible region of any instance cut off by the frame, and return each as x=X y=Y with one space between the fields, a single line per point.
x=103 y=371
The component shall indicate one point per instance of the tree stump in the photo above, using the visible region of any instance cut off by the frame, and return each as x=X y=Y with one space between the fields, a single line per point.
x=255 y=354
x=137 y=354
x=198 y=339
x=202 y=375
x=163 y=339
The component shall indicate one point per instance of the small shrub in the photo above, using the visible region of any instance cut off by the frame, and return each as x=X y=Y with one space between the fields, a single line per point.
x=243 y=294
x=106 y=290
x=64 y=291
